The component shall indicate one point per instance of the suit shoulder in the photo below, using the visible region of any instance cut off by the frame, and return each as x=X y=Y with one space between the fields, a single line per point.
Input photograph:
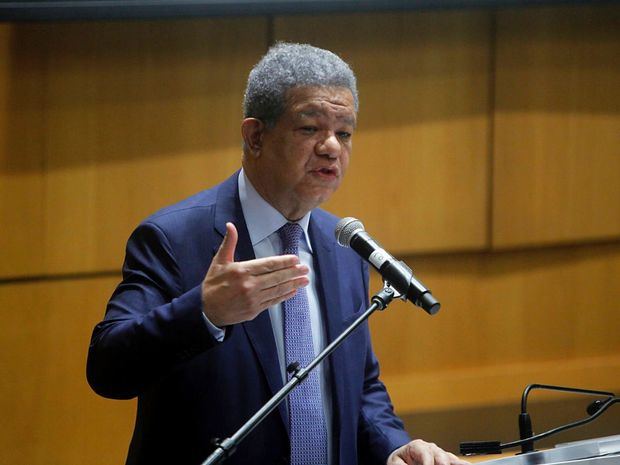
x=193 y=208
x=200 y=201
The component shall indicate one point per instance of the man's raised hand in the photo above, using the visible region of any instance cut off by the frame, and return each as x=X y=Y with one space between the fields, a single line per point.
x=233 y=292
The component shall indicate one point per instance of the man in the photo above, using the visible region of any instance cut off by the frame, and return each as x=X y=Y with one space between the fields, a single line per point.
x=224 y=290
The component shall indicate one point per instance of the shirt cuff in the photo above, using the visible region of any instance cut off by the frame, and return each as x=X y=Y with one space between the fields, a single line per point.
x=217 y=333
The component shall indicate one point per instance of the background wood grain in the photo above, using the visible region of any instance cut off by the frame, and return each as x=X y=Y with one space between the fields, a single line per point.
x=487 y=156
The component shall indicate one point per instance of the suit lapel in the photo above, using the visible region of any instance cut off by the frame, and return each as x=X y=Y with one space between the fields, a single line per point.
x=259 y=330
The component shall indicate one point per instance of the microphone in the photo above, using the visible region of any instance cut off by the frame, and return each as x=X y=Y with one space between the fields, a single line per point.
x=527 y=437
x=350 y=232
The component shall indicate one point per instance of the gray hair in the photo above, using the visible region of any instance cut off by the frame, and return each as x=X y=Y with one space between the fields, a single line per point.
x=287 y=65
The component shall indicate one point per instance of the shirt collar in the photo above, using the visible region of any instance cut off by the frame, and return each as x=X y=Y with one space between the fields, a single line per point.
x=261 y=217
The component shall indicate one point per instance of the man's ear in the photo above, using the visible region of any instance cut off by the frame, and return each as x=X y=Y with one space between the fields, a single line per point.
x=252 y=131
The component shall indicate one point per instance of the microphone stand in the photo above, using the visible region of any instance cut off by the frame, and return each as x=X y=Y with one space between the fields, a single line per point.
x=227 y=447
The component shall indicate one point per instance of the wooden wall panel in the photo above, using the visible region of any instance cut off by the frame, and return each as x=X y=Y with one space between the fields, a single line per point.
x=103 y=123
x=49 y=413
x=129 y=118
x=508 y=319
x=21 y=157
x=557 y=125
x=419 y=168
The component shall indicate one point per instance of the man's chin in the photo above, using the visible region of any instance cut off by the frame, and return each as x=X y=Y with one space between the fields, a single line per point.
x=319 y=196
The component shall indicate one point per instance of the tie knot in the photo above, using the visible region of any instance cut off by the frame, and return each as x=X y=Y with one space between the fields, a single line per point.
x=290 y=234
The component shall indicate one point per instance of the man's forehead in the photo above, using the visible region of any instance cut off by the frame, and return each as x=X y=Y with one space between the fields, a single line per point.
x=337 y=95
x=321 y=101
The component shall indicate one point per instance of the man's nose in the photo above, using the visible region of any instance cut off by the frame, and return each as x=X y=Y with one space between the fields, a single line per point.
x=329 y=146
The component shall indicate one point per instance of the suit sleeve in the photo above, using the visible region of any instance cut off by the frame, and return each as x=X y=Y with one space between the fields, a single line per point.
x=380 y=430
x=151 y=324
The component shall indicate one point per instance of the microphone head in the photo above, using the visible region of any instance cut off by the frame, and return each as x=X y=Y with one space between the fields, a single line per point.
x=346 y=229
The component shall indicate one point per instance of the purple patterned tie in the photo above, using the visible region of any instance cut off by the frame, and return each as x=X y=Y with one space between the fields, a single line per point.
x=307 y=422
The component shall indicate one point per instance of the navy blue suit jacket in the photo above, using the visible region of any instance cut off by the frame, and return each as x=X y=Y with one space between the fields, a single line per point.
x=154 y=344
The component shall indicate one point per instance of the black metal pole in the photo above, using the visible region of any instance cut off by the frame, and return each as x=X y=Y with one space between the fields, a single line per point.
x=227 y=447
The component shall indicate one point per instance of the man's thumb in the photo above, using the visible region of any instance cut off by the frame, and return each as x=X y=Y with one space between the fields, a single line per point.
x=226 y=252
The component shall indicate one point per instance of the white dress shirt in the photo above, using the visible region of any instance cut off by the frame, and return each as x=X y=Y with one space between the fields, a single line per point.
x=263 y=222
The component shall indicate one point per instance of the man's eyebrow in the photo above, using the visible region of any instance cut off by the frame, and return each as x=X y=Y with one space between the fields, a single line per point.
x=310 y=113
x=305 y=113
x=350 y=121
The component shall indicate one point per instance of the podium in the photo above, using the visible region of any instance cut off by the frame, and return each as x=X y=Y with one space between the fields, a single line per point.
x=599 y=451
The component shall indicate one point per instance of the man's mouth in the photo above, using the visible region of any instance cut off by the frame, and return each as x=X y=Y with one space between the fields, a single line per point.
x=326 y=172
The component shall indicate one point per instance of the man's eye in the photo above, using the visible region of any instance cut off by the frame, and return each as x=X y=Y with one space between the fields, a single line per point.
x=309 y=129
x=344 y=135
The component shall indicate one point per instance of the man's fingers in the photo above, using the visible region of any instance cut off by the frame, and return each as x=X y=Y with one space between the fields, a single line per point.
x=275 y=278
x=277 y=300
x=282 y=291
x=425 y=457
x=396 y=460
x=420 y=452
x=457 y=461
x=265 y=265
x=226 y=252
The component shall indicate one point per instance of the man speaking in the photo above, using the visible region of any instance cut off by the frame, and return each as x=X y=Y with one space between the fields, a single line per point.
x=222 y=291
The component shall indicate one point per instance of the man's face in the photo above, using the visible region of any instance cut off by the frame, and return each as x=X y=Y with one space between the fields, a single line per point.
x=301 y=161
